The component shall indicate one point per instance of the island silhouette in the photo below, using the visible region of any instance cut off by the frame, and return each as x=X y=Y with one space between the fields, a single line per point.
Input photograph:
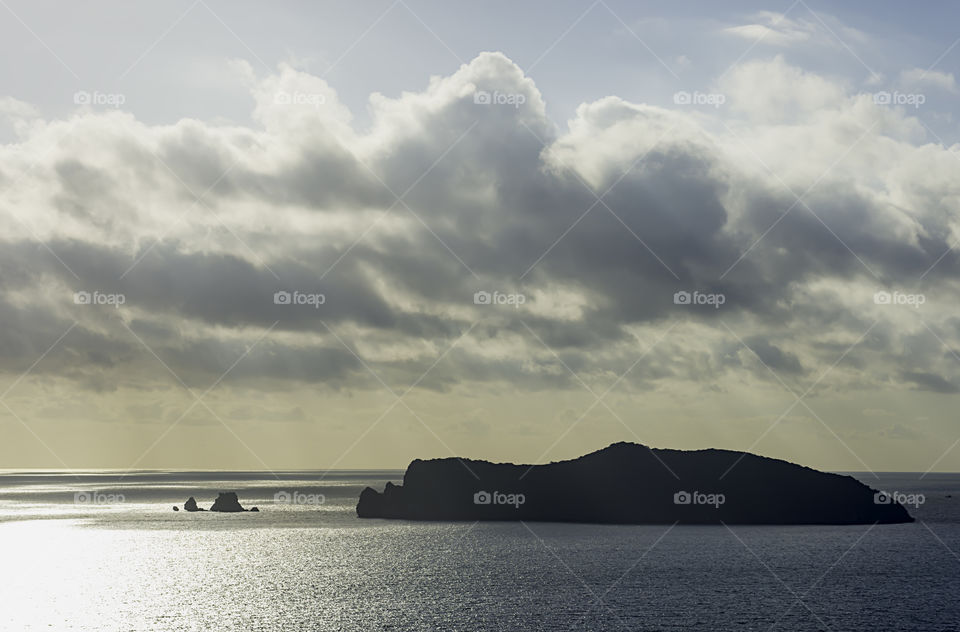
x=226 y=502
x=630 y=483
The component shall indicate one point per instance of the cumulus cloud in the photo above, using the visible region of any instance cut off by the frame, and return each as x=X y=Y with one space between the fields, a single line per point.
x=797 y=202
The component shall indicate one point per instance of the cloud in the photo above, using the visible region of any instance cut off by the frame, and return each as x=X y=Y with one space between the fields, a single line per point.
x=467 y=186
x=776 y=92
x=772 y=28
x=930 y=382
x=918 y=77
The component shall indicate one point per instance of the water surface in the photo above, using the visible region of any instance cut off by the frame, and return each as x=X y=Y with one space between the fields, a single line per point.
x=137 y=565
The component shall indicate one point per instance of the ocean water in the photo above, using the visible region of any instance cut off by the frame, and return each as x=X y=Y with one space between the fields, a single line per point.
x=101 y=551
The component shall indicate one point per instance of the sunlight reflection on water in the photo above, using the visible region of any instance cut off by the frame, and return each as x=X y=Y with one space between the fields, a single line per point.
x=141 y=566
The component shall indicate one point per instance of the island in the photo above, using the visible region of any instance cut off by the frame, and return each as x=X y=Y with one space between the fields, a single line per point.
x=630 y=483
x=190 y=505
x=226 y=502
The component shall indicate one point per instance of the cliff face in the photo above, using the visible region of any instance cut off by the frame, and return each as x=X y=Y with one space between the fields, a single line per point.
x=628 y=483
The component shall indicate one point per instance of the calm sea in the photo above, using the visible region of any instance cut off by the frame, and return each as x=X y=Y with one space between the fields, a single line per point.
x=100 y=551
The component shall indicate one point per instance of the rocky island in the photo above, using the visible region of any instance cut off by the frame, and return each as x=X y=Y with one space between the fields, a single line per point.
x=190 y=505
x=227 y=502
x=629 y=483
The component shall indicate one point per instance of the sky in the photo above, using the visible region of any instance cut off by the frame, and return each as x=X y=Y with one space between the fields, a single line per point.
x=347 y=235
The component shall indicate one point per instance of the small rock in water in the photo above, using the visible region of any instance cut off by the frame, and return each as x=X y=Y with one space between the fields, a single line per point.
x=191 y=505
x=175 y=508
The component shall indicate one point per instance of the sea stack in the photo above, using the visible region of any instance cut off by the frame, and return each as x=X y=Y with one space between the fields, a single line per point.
x=191 y=505
x=629 y=483
x=227 y=502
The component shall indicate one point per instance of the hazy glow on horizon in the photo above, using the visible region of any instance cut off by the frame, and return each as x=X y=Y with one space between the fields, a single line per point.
x=781 y=169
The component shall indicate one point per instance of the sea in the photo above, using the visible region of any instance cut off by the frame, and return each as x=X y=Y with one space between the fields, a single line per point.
x=104 y=550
